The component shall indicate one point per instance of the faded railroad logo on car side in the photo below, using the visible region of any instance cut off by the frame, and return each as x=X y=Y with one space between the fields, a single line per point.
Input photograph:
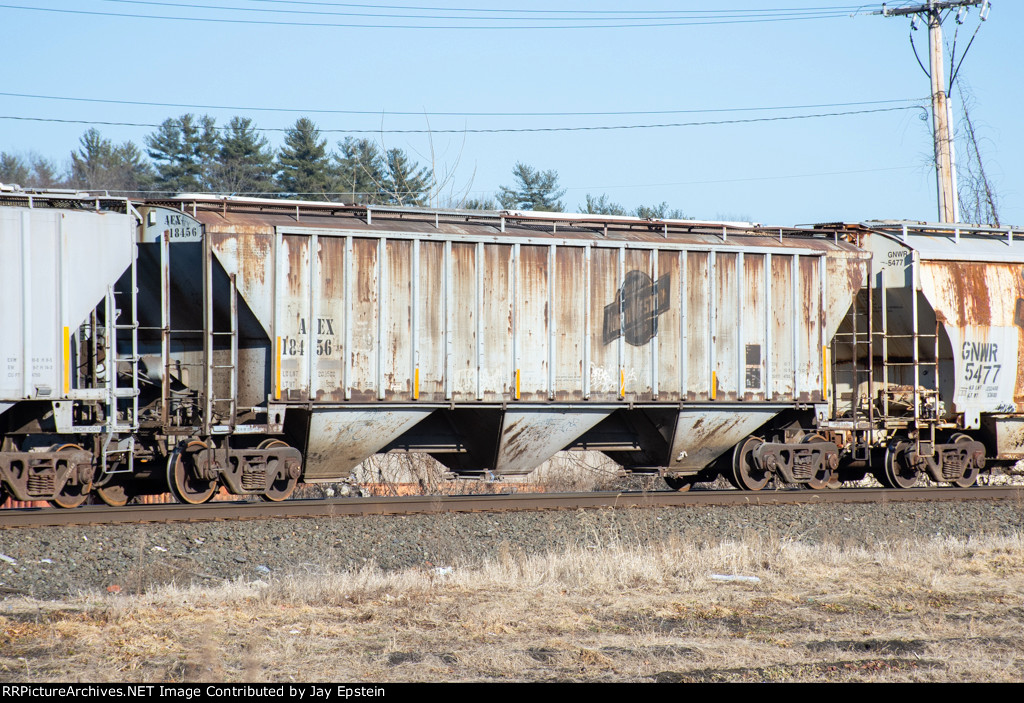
x=634 y=313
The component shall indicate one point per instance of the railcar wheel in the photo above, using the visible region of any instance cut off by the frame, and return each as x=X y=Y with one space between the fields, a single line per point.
x=183 y=478
x=680 y=483
x=823 y=478
x=74 y=493
x=745 y=473
x=972 y=470
x=897 y=473
x=283 y=484
x=3 y=493
x=114 y=494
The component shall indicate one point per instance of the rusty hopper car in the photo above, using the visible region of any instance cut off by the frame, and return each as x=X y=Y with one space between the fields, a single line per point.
x=255 y=344
x=929 y=378
x=491 y=340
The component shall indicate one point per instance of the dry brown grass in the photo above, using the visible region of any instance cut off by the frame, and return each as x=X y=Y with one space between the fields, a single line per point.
x=933 y=610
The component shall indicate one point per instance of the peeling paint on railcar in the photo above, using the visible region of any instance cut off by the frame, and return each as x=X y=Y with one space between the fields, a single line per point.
x=330 y=336
x=463 y=328
x=978 y=304
x=604 y=358
x=698 y=324
x=531 y=436
x=365 y=308
x=569 y=301
x=754 y=321
x=496 y=366
x=701 y=437
x=532 y=320
x=430 y=316
x=631 y=317
x=294 y=311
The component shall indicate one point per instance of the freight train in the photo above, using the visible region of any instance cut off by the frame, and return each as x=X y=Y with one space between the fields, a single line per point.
x=196 y=343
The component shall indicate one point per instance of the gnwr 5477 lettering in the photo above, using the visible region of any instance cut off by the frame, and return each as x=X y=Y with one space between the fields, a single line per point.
x=980 y=358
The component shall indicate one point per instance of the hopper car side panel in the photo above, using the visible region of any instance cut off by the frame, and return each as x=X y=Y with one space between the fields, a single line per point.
x=568 y=322
x=404 y=319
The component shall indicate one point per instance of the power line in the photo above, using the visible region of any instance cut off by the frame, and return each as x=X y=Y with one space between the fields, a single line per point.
x=845 y=8
x=496 y=130
x=188 y=106
x=573 y=15
x=326 y=25
x=935 y=13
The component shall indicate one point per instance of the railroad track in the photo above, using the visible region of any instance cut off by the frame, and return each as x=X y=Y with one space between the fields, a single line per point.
x=417 y=505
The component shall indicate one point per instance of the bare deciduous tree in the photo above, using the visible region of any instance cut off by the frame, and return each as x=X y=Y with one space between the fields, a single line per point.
x=978 y=199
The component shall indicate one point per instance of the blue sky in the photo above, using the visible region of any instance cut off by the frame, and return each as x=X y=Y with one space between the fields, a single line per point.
x=848 y=167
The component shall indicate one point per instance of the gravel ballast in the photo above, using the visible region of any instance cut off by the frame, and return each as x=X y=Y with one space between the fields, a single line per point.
x=54 y=562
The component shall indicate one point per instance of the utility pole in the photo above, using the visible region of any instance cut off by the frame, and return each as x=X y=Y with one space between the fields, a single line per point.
x=934 y=12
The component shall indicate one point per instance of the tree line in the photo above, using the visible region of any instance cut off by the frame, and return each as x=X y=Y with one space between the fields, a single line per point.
x=192 y=154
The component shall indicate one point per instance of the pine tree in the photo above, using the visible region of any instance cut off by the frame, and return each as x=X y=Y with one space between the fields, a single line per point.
x=405 y=182
x=13 y=169
x=303 y=164
x=33 y=171
x=44 y=173
x=360 y=170
x=658 y=212
x=245 y=163
x=601 y=205
x=99 y=165
x=479 y=204
x=535 y=190
x=92 y=160
x=184 y=150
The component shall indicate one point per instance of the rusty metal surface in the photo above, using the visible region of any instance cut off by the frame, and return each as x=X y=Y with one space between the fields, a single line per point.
x=701 y=437
x=979 y=308
x=1008 y=434
x=583 y=322
x=339 y=439
x=239 y=218
x=972 y=286
x=407 y=307
x=530 y=437
x=354 y=507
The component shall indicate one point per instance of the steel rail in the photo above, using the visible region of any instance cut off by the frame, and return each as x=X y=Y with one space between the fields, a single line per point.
x=418 y=505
